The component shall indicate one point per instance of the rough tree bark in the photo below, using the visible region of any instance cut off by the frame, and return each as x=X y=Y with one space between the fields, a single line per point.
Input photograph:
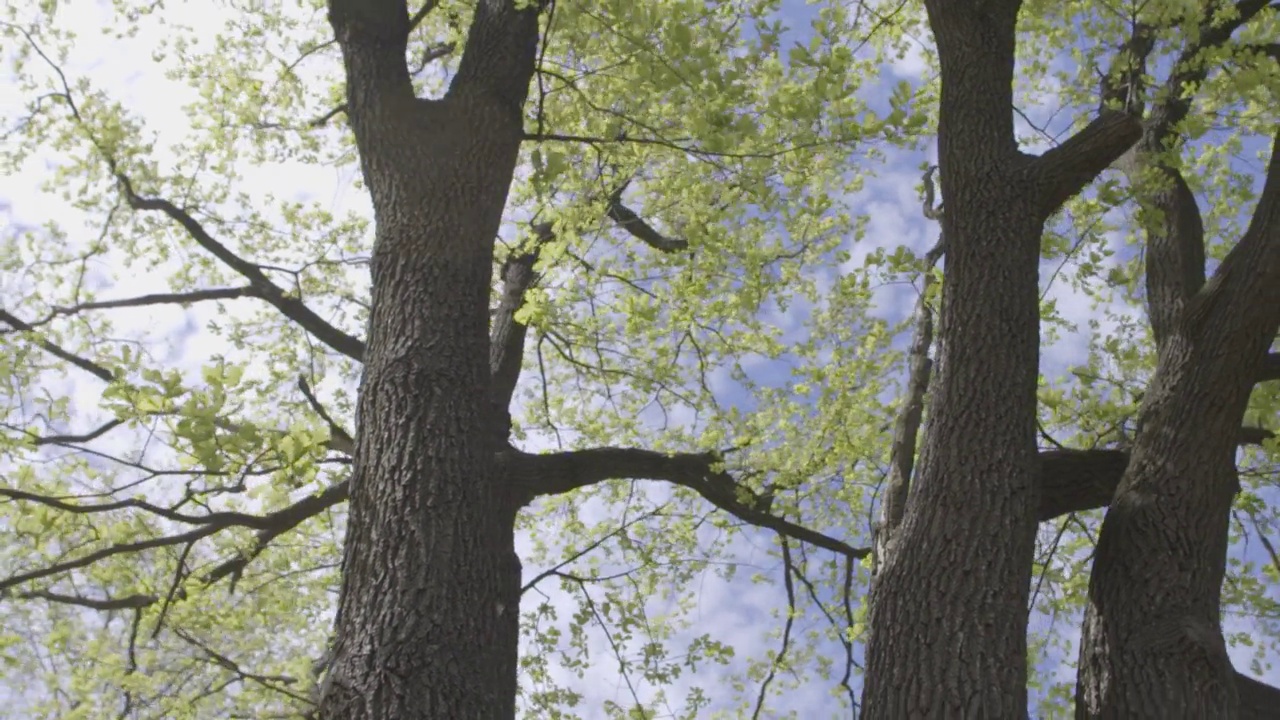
x=949 y=606
x=1152 y=642
x=427 y=622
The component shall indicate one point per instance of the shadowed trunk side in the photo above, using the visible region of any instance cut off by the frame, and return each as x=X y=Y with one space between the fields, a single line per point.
x=1152 y=641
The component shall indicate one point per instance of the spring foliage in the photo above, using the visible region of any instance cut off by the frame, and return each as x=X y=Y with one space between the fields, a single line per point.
x=170 y=504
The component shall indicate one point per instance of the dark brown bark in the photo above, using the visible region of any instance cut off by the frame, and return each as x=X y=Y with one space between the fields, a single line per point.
x=1258 y=700
x=1270 y=368
x=507 y=335
x=1152 y=643
x=1175 y=255
x=948 y=615
x=628 y=220
x=427 y=622
x=949 y=606
x=554 y=473
x=1078 y=480
x=906 y=427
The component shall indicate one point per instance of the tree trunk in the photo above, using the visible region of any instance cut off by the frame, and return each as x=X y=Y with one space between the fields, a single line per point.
x=948 y=613
x=948 y=616
x=1152 y=643
x=427 y=622
x=428 y=615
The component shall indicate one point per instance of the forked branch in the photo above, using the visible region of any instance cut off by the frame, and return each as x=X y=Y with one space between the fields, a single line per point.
x=291 y=307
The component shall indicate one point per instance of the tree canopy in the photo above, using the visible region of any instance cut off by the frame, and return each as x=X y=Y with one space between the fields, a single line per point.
x=705 y=306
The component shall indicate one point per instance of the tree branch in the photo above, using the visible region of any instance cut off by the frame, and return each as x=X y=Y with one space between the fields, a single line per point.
x=1071 y=481
x=422 y=13
x=131 y=602
x=500 y=53
x=507 y=335
x=88 y=366
x=280 y=522
x=1175 y=237
x=1078 y=480
x=1271 y=50
x=928 y=207
x=269 y=526
x=185 y=298
x=1255 y=435
x=316 y=122
x=339 y=438
x=1190 y=69
x=1270 y=368
x=271 y=682
x=218 y=519
x=1258 y=700
x=147 y=300
x=432 y=53
x=1175 y=253
x=555 y=473
x=292 y=308
x=1066 y=169
x=628 y=220
x=1122 y=87
x=93 y=434
x=374 y=36
x=1244 y=294
x=906 y=428
x=104 y=553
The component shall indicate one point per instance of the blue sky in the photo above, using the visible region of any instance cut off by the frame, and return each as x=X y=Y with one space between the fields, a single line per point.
x=738 y=611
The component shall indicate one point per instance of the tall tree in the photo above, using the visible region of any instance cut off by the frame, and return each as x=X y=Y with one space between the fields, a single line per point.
x=960 y=564
x=1153 y=638
x=432 y=584
x=956 y=551
x=428 y=618
x=588 y=221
